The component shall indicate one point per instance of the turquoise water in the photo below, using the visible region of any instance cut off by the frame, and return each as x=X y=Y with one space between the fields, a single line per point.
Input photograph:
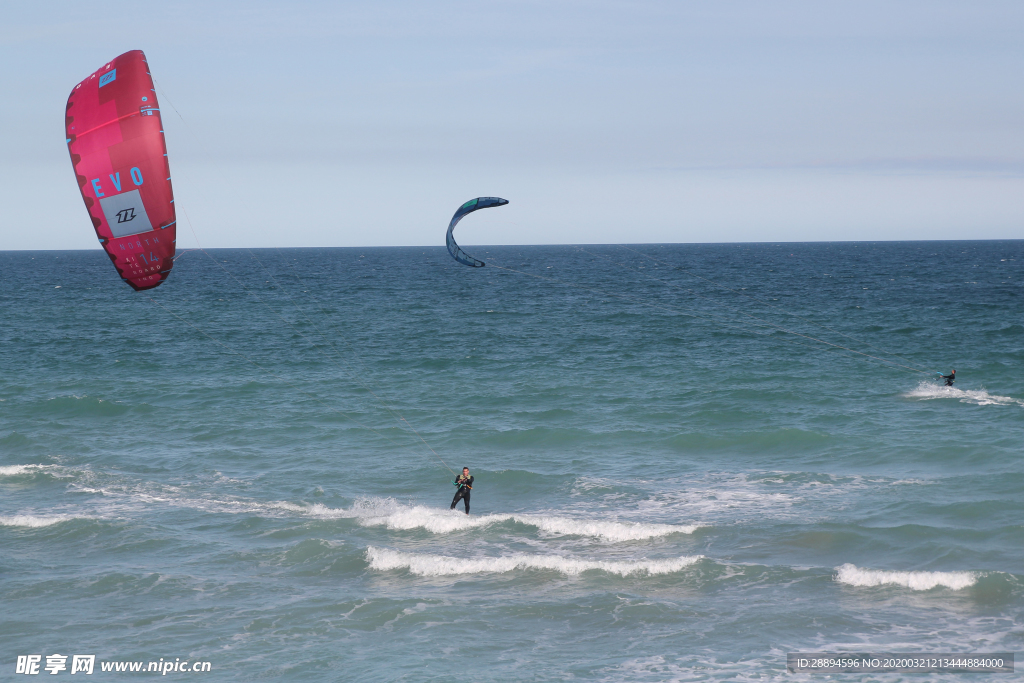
x=224 y=469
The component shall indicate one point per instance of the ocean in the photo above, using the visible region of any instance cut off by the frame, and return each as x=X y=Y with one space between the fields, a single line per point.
x=689 y=460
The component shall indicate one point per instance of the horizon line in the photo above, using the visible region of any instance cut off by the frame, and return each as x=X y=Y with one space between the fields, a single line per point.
x=567 y=244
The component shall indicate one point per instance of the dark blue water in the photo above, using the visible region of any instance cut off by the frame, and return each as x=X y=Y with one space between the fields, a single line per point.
x=689 y=459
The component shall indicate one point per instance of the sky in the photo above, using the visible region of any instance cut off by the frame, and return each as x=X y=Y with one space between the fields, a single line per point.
x=367 y=124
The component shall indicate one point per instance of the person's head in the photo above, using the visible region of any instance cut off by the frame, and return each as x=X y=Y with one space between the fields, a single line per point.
x=465 y=470
x=954 y=371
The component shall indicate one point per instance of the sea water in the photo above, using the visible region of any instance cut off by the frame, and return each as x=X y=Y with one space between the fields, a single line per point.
x=690 y=460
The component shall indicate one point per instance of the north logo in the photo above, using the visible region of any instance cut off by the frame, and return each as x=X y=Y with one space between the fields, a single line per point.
x=125 y=212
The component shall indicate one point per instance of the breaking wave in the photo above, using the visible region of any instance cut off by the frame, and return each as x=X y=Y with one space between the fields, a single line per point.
x=918 y=581
x=382 y=559
x=34 y=521
x=388 y=513
x=15 y=470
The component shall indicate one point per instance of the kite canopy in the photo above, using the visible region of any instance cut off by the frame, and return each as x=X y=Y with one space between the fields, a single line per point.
x=468 y=208
x=116 y=139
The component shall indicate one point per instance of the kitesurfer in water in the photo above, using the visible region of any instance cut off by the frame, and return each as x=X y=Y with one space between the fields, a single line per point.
x=465 y=484
x=950 y=378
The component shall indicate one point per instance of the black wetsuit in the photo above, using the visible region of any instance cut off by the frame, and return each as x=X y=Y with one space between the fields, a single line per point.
x=949 y=379
x=465 y=485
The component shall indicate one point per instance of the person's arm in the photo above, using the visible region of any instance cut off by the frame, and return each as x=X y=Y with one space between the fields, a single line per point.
x=469 y=483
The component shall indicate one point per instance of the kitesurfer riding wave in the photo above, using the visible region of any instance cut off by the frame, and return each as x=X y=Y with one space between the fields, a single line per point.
x=950 y=378
x=465 y=484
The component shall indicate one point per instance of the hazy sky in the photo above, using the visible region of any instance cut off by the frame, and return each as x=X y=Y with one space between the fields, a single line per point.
x=369 y=123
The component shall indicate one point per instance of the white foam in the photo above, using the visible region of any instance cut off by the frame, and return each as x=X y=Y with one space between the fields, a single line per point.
x=232 y=506
x=918 y=581
x=122 y=496
x=691 y=666
x=77 y=488
x=284 y=505
x=33 y=521
x=383 y=559
x=733 y=498
x=14 y=470
x=388 y=513
x=608 y=531
x=434 y=520
x=928 y=390
x=55 y=471
x=321 y=511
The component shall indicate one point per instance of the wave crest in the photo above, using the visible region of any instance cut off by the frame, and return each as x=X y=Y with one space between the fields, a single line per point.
x=390 y=514
x=14 y=470
x=33 y=521
x=383 y=559
x=918 y=581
